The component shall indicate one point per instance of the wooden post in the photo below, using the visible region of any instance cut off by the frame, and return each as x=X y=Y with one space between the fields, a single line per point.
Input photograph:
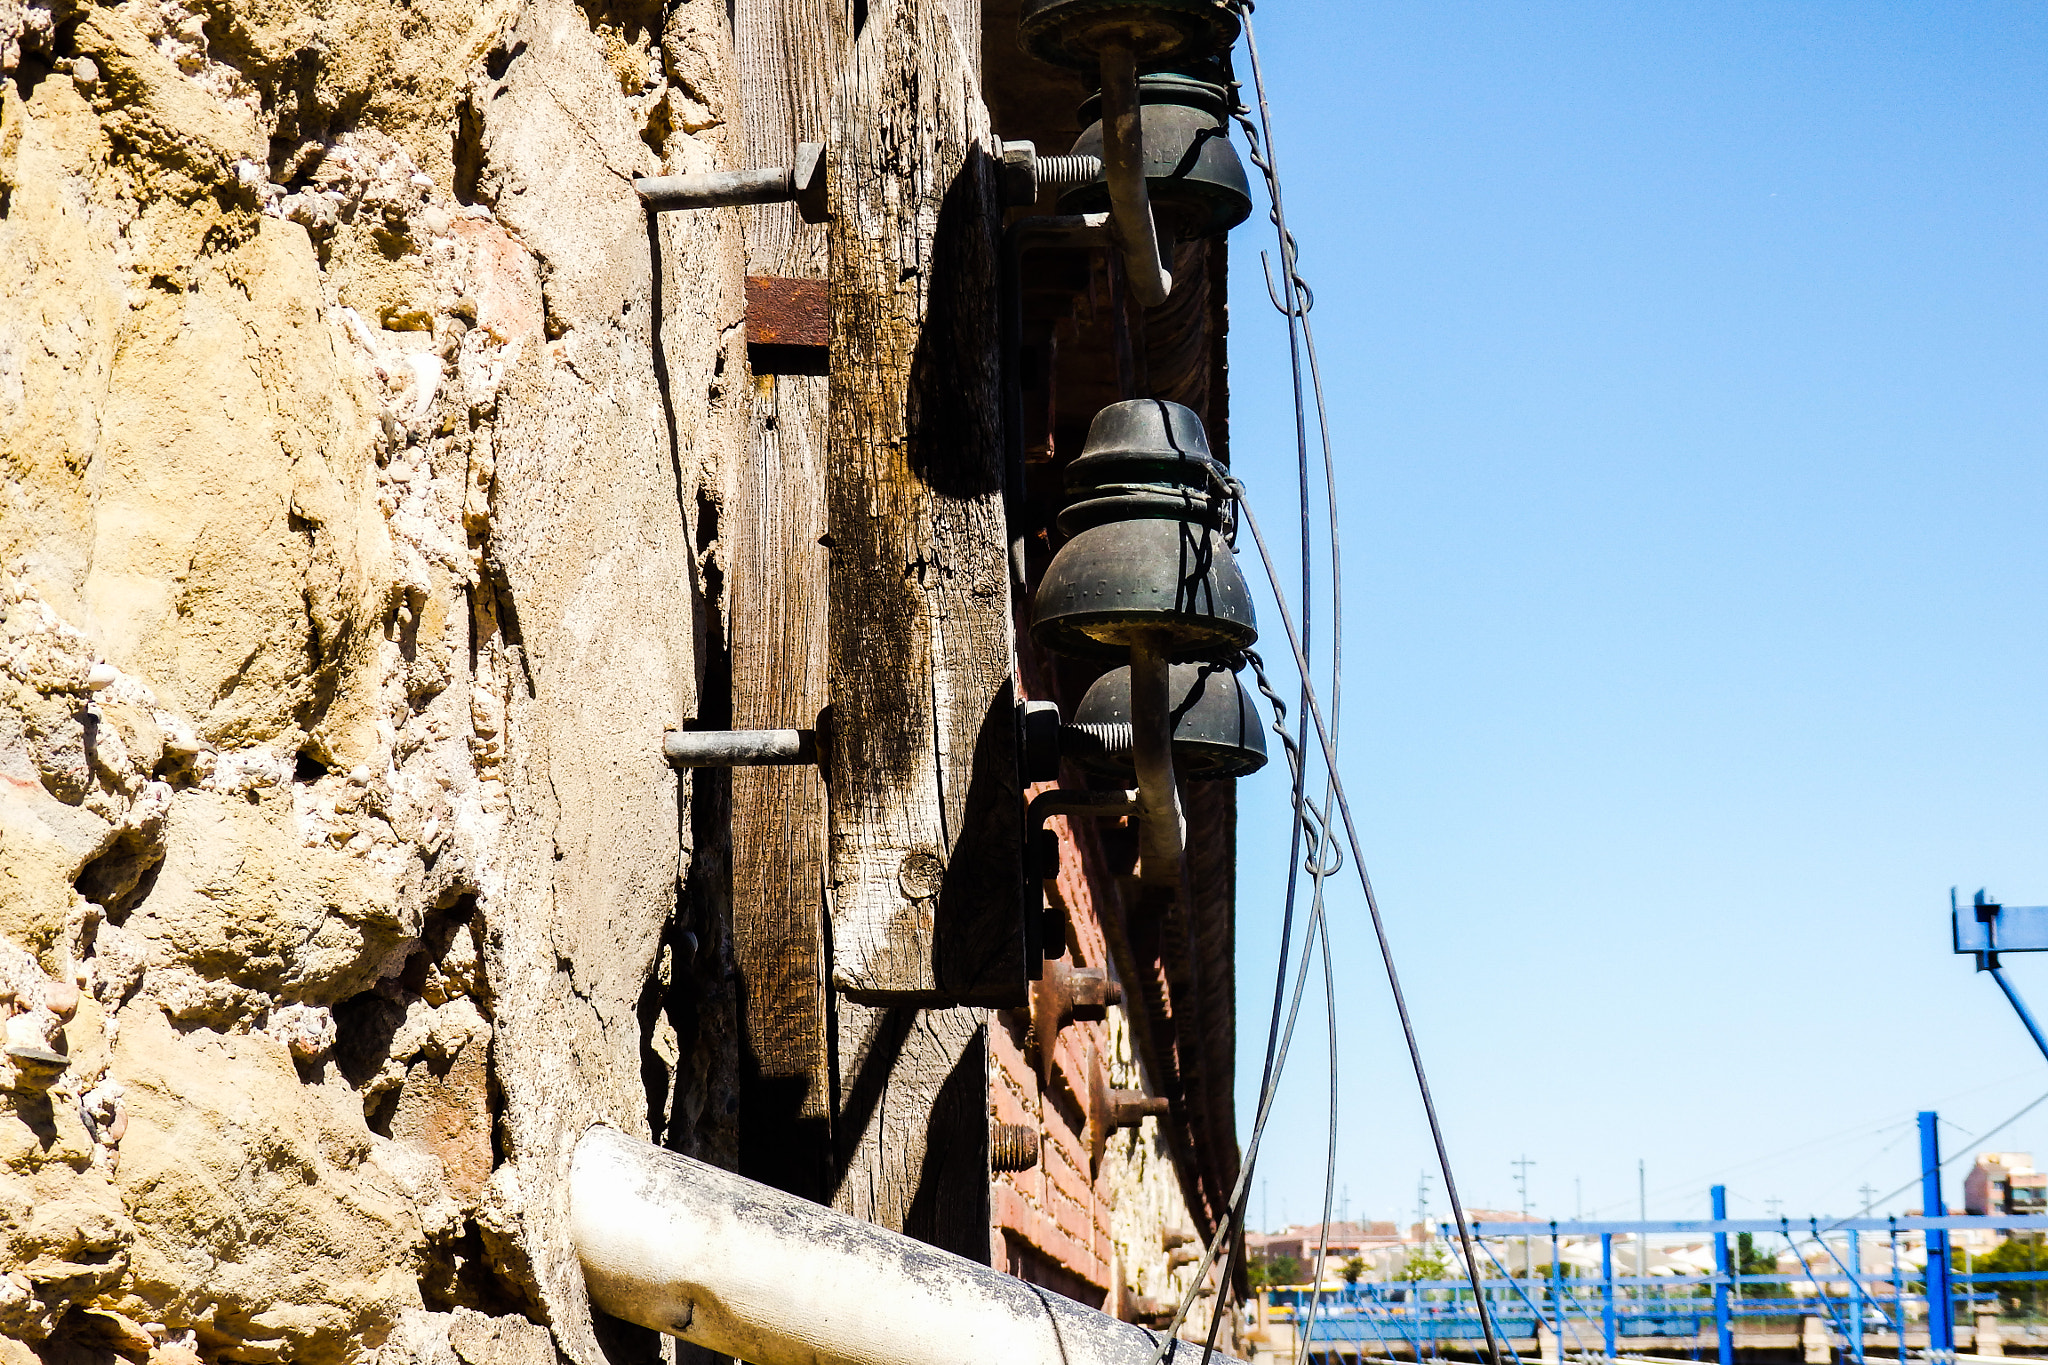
x=773 y=520
x=913 y=1123
x=926 y=836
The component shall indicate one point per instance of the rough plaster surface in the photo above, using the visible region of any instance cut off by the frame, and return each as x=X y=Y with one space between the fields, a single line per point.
x=354 y=545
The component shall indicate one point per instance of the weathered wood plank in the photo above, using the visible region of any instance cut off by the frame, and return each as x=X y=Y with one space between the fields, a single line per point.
x=790 y=56
x=926 y=866
x=772 y=522
x=913 y=1123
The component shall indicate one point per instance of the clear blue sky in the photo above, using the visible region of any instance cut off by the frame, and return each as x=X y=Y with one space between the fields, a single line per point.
x=1688 y=379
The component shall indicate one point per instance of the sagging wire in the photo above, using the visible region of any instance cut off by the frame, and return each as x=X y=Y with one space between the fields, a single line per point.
x=1296 y=300
x=1327 y=744
x=1953 y=1157
x=1309 y=824
x=1315 y=934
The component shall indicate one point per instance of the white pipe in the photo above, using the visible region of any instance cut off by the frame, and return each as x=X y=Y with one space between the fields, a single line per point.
x=748 y=1271
x=1162 y=828
x=1123 y=156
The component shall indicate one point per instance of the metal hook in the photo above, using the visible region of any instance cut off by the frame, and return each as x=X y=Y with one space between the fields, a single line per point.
x=1303 y=292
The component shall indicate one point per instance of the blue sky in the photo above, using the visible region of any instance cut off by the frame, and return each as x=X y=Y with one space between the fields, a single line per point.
x=1686 y=366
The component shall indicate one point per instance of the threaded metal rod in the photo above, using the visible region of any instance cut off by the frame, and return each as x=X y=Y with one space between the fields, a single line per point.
x=717 y=189
x=1058 y=172
x=1107 y=739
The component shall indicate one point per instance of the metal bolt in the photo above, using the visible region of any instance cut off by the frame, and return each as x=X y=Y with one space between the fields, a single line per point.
x=803 y=182
x=1012 y=1147
x=738 y=748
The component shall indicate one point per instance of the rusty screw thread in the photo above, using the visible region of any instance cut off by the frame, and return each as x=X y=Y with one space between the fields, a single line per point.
x=1012 y=1147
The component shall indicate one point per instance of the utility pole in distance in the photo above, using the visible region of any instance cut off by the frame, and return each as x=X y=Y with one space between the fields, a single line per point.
x=1522 y=1166
x=1643 y=1214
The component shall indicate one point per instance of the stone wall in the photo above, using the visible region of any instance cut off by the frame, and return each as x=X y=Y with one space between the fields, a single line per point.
x=355 y=536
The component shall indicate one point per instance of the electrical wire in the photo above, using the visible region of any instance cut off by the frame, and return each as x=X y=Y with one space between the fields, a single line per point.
x=1309 y=824
x=1951 y=1159
x=1698 y=1183
x=1297 y=302
x=1315 y=931
x=1386 y=948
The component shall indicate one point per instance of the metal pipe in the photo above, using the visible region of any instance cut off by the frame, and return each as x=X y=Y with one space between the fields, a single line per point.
x=1123 y=156
x=1162 y=834
x=745 y=1270
x=738 y=748
x=717 y=189
x=2033 y=1029
x=803 y=182
x=1941 y=1312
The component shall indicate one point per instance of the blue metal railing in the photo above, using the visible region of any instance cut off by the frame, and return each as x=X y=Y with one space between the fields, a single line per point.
x=1644 y=1306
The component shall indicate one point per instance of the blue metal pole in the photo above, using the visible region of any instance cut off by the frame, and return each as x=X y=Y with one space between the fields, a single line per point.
x=1724 y=1325
x=2025 y=1018
x=1557 y=1287
x=1607 y=1291
x=1898 y=1291
x=1855 y=1298
x=1941 y=1312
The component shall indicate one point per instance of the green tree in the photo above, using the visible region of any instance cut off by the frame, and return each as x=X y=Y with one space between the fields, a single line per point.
x=2011 y=1257
x=1750 y=1261
x=1424 y=1265
x=1271 y=1272
x=1353 y=1268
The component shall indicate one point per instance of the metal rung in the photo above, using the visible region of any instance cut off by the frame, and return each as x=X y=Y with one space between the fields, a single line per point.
x=739 y=748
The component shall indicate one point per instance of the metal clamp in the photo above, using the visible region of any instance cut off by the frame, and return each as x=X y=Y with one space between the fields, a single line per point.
x=1069 y=801
x=803 y=182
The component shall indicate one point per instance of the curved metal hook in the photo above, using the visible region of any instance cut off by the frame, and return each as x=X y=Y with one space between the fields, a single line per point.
x=1303 y=292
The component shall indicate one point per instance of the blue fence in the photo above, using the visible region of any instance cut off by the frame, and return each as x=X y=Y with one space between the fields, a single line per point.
x=1582 y=1311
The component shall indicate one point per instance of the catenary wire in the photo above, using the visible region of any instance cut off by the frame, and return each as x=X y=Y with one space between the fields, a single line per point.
x=1297 y=301
x=1952 y=1157
x=1229 y=1231
x=1324 y=727
x=1324 y=742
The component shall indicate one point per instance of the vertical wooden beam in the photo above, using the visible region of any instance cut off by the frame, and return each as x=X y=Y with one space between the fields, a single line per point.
x=789 y=54
x=913 y=1123
x=926 y=839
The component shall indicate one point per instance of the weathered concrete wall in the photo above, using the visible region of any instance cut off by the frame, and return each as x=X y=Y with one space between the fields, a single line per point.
x=352 y=560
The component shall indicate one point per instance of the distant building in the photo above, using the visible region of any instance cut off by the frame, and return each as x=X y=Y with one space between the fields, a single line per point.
x=1346 y=1240
x=2005 y=1182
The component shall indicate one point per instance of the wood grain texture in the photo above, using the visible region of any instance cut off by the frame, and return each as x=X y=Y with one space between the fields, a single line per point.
x=772 y=522
x=913 y=1123
x=926 y=843
x=791 y=53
